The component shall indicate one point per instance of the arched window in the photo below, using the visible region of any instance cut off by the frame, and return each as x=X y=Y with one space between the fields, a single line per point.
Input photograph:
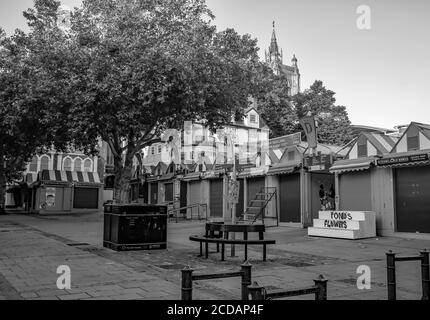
x=33 y=164
x=78 y=164
x=88 y=165
x=67 y=164
x=44 y=163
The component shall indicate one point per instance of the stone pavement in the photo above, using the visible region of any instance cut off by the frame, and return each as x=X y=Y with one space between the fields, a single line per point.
x=32 y=247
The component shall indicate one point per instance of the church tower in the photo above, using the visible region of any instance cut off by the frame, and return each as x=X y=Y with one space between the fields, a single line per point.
x=275 y=57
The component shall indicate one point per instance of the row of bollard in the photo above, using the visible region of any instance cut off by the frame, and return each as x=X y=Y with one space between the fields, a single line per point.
x=248 y=291
x=188 y=278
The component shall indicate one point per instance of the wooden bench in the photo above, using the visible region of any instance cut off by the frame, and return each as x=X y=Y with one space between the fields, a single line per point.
x=222 y=237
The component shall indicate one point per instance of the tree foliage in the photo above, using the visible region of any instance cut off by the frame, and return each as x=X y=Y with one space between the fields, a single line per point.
x=126 y=70
x=282 y=112
x=334 y=126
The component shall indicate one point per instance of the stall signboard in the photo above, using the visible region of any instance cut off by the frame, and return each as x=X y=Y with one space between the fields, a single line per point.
x=403 y=159
x=286 y=141
x=319 y=162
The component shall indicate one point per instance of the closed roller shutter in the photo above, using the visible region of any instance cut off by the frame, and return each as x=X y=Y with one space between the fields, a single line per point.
x=290 y=198
x=169 y=192
x=413 y=199
x=86 y=198
x=195 y=195
x=355 y=191
x=216 y=197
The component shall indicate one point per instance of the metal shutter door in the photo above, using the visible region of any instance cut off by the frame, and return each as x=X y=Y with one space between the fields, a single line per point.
x=413 y=199
x=290 y=198
x=216 y=197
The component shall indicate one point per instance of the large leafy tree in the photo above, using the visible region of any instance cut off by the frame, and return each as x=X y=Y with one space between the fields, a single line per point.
x=36 y=92
x=129 y=69
x=334 y=126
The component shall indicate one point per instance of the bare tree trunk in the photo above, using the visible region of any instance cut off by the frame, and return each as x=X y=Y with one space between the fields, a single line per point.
x=123 y=177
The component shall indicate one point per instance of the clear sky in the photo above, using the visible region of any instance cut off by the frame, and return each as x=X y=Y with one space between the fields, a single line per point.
x=381 y=75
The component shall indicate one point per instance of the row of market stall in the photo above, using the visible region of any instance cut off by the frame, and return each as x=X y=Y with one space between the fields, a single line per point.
x=389 y=175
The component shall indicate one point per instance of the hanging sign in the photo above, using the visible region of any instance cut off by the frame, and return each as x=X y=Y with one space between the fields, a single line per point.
x=309 y=125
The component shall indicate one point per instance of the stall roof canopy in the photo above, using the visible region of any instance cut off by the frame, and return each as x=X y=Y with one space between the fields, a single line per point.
x=69 y=176
x=352 y=165
x=282 y=169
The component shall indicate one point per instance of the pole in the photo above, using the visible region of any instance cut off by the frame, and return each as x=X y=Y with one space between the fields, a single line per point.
x=391 y=275
x=321 y=283
x=233 y=205
x=425 y=274
x=187 y=284
x=246 y=279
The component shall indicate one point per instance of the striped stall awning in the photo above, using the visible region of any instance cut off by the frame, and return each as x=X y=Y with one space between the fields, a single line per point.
x=30 y=178
x=69 y=176
x=282 y=169
x=355 y=166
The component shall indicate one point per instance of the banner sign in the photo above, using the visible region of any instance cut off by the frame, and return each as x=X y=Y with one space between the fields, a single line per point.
x=309 y=125
x=233 y=191
x=404 y=159
x=50 y=197
x=286 y=141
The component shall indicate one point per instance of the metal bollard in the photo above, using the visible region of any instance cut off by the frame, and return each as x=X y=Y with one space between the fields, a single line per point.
x=391 y=275
x=425 y=274
x=321 y=283
x=187 y=284
x=246 y=279
x=256 y=292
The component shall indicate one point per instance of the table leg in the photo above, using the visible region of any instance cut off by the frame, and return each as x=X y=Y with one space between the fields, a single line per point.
x=222 y=251
x=206 y=250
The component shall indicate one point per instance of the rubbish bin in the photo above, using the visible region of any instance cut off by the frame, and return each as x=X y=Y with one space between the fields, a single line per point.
x=135 y=227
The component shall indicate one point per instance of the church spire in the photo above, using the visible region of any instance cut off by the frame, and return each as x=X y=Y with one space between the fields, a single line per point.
x=274 y=49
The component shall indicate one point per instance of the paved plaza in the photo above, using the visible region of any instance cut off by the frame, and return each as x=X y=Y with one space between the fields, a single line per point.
x=32 y=247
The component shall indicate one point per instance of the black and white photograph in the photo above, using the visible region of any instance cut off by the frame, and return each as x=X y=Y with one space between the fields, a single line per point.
x=215 y=155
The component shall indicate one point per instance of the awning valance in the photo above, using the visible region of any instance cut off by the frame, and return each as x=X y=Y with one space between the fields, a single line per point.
x=69 y=177
x=276 y=170
x=354 y=166
x=192 y=176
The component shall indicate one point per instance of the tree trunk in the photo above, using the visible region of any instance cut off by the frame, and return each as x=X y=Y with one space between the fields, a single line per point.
x=2 y=188
x=122 y=179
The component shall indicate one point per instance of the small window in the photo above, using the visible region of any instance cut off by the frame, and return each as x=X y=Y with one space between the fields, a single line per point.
x=362 y=150
x=253 y=118
x=67 y=164
x=78 y=164
x=159 y=149
x=152 y=150
x=413 y=143
x=33 y=165
x=88 y=165
x=291 y=155
x=44 y=163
